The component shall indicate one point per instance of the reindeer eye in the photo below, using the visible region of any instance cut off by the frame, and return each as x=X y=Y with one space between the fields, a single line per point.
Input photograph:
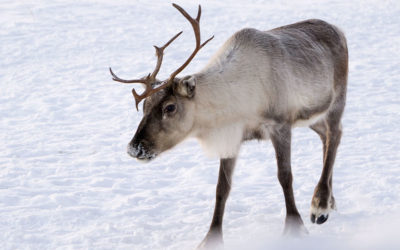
x=169 y=108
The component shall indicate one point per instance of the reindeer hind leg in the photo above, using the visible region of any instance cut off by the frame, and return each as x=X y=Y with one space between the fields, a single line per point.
x=330 y=132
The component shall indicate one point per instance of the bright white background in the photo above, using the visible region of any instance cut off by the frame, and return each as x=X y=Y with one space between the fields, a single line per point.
x=66 y=181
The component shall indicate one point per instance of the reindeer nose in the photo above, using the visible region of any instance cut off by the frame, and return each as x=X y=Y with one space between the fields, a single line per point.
x=141 y=151
x=135 y=150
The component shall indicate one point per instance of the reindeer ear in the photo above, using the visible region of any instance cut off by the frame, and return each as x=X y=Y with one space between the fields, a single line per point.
x=186 y=86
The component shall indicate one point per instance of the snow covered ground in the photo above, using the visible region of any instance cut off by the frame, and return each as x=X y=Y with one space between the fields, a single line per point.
x=67 y=183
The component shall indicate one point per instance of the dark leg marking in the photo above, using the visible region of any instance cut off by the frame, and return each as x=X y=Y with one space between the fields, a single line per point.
x=281 y=139
x=330 y=133
x=214 y=235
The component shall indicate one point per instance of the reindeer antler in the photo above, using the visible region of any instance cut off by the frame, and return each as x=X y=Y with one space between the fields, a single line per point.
x=151 y=78
x=196 y=28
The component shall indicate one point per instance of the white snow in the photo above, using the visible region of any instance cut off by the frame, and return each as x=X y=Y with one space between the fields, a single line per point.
x=66 y=181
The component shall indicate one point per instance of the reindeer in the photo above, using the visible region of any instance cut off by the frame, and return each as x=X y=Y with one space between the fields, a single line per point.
x=259 y=85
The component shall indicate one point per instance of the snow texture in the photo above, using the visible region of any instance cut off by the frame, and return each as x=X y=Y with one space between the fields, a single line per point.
x=66 y=181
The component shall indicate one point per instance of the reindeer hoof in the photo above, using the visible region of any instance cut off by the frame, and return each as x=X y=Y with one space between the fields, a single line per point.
x=319 y=214
x=321 y=219
x=322 y=204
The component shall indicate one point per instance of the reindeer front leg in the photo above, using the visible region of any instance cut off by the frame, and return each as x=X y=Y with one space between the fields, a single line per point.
x=281 y=139
x=214 y=236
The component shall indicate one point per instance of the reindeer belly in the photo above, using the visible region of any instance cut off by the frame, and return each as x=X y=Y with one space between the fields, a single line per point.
x=310 y=114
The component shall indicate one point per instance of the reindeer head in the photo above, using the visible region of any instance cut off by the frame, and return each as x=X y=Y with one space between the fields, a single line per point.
x=168 y=109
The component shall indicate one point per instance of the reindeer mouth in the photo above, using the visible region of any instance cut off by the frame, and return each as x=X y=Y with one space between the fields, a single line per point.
x=141 y=153
x=146 y=157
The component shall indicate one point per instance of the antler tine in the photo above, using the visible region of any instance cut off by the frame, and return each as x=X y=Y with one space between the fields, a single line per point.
x=196 y=29
x=160 y=54
x=147 y=81
x=194 y=22
x=198 y=14
x=171 y=40
x=117 y=79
